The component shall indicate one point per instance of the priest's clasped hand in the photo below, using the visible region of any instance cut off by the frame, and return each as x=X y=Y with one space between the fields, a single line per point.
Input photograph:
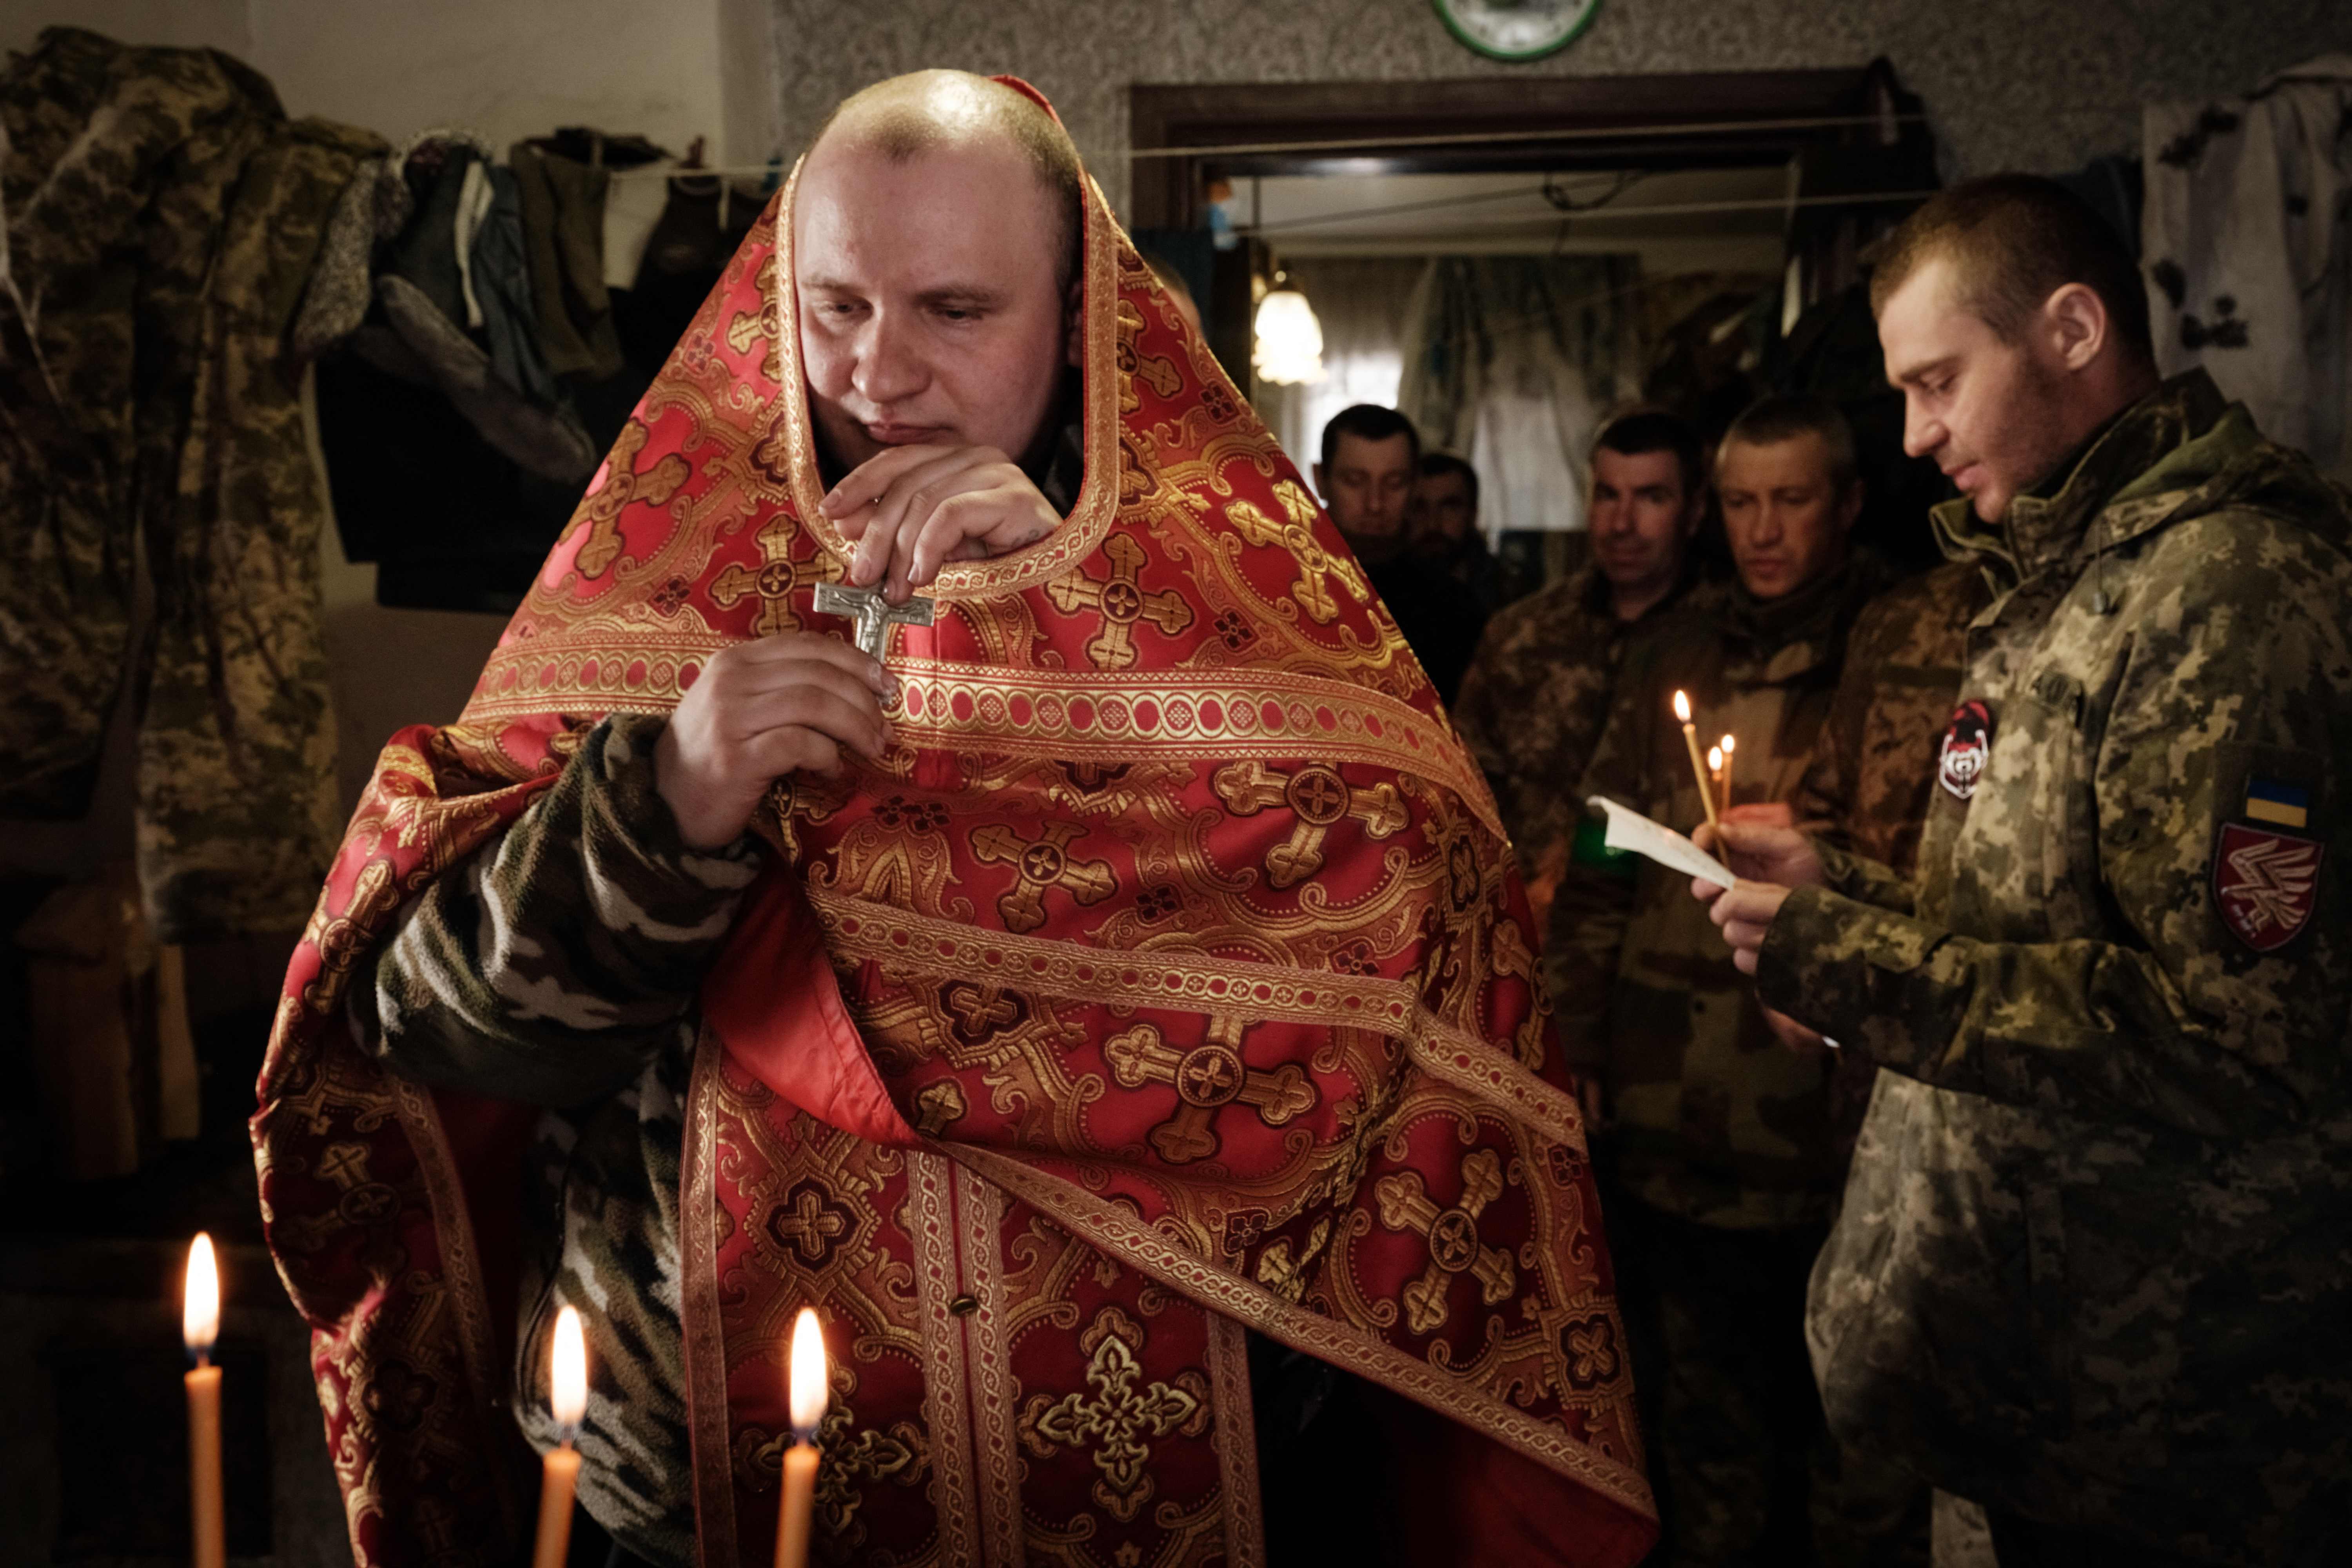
x=760 y=710
x=912 y=509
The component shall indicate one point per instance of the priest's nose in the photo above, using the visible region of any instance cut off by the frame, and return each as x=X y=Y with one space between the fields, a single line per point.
x=890 y=365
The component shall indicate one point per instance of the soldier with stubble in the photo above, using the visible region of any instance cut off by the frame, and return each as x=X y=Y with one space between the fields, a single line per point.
x=1722 y=1162
x=2091 y=1268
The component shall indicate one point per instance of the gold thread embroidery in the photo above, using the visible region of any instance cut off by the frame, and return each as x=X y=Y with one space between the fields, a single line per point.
x=1209 y=1076
x=1319 y=798
x=1121 y=602
x=1117 y=1420
x=1452 y=1236
x=1236 y=1439
x=1136 y=1244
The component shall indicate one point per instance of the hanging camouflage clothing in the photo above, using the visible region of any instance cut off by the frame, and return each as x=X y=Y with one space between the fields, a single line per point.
x=163 y=215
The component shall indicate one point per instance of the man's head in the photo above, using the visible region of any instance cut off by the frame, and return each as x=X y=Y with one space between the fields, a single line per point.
x=1366 y=476
x=935 y=250
x=2015 y=324
x=1443 y=515
x=1786 y=478
x=1648 y=495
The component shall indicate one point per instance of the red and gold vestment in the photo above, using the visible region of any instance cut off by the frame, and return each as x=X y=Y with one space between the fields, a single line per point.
x=1169 y=977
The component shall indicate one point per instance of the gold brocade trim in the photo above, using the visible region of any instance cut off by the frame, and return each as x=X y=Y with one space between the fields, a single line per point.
x=1127 y=1239
x=988 y=1362
x=1470 y=1063
x=1077 y=715
x=947 y=1413
x=1236 y=1439
x=711 y=1477
x=453 y=1227
x=1097 y=508
x=1187 y=980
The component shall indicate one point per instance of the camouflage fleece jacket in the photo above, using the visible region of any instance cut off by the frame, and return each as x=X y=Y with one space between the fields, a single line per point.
x=1534 y=702
x=559 y=966
x=2094 y=1262
x=1709 y=1117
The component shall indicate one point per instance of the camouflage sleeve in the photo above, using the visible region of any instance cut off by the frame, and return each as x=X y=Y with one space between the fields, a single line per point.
x=2233 y=682
x=554 y=963
x=1863 y=880
x=1477 y=716
x=1595 y=903
x=1823 y=801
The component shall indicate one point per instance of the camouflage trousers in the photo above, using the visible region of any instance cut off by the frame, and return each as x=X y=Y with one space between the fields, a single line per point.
x=1747 y=1470
x=163 y=217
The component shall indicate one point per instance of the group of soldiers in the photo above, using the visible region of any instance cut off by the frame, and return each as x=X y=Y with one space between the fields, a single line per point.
x=2090 y=1005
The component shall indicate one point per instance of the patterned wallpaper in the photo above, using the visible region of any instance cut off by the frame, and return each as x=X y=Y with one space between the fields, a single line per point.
x=2033 y=84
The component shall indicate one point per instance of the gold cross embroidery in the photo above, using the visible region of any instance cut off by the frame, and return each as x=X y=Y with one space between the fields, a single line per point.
x=1404 y=1205
x=346 y=1164
x=984 y=1009
x=1044 y=862
x=1116 y=1419
x=1209 y=1076
x=767 y=325
x=1298 y=536
x=1122 y=603
x=601 y=508
x=339 y=939
x=1319 y=798
x=773 y=581
x=808 y=1225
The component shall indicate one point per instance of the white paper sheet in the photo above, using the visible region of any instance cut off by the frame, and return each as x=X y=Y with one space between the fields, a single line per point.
x=1628 y=830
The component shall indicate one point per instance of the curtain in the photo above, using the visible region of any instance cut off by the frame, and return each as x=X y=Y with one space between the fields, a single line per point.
x=1362 y=302
x=1511 y=360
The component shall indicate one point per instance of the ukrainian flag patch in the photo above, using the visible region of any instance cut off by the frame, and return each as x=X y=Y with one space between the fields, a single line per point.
x=2284 y=805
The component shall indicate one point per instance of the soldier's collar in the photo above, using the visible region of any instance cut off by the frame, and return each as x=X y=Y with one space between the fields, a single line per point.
x=2040 y=531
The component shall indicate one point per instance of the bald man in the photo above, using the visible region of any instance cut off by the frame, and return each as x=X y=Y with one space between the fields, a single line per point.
x=789 y=968
x=935 y=237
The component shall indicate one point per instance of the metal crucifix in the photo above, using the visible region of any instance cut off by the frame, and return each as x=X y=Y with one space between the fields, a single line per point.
x=874 y=615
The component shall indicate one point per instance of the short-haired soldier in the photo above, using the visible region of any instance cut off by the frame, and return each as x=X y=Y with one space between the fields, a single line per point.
x=1720 y=1162
x=2091 y=1267
x=1536 y=696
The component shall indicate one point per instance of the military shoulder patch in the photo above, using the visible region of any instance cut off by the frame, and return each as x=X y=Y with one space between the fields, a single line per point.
x=2267 y=881
x=1967 y=746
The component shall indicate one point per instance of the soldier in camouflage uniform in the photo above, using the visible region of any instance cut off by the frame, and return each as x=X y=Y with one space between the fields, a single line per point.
x=161 y=217
x=1723 y=1160
x=2092 y=1268
x=1537 y=695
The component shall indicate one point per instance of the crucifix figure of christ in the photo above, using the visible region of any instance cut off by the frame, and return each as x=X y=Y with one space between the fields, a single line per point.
x=875 y=616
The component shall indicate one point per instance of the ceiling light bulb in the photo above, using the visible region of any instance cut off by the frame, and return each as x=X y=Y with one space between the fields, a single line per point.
x=1289 y=347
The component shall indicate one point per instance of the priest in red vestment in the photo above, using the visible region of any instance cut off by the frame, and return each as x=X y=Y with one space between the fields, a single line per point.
x=1108 y=1006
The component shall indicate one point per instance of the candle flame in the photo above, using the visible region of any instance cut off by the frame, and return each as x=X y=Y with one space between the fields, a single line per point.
x=807 y=1392
x=200 y=1305
x=1715 y=759
x=1728 y=743
x=1682 y=706
x=568 y=1372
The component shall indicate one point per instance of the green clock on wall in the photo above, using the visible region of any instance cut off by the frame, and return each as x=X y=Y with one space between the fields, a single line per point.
x=1515 y=29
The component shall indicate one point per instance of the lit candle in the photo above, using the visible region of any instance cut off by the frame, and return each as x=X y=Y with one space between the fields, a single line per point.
x=805 y=1394
x=1727 y=745
x=567 y=1375
x=1699 y=764
x=1715 y=770
x=200 y=1327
